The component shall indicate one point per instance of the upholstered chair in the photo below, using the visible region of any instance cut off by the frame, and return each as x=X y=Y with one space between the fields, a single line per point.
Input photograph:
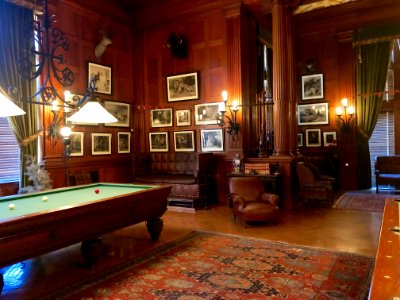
x=250 y=202
x=314 y=187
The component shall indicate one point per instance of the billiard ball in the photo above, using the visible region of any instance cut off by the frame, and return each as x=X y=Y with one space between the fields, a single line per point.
x=97 y=191
x=11 y=206
x=45 y=198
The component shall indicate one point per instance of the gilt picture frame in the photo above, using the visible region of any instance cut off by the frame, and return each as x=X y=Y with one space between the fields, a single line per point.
x=121 y=111
x=182 y=87
x=300 y=140
x=161 y=117
x=313 y=137
x=101 y=143
x=183 y=117
x=312 y=86
x=184 y=141
x=124 y=142
x=206 y=113
x=76 y=145
x=212 y=140
x=313 y=114
x=103 y=85
x=329 y=138
x=158 y=141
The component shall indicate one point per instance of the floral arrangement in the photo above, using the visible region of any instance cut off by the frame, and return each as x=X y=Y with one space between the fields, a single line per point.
x=37 y=175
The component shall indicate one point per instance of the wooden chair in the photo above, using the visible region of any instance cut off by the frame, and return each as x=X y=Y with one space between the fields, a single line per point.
x=312 y=186
x=250 y=202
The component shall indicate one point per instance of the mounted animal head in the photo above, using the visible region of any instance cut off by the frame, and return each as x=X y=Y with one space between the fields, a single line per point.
x=105 y=41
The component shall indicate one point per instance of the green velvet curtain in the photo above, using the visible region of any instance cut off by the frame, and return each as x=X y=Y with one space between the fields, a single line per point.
x=13 y=45
x=372 y=50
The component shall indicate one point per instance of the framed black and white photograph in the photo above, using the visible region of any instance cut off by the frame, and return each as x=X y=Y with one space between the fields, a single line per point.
x=312 y=86
x=184 y=140
x=313 y=114
x=300 y=140
x=211 y=140
x=206 y=114
x=183 y=117
x=103 y=85
x=158 y=141
x=101 y=143
x=161 y=117
x=313 y=137
x=121 y=111
x=329 y=138
x=182 y=87
x=124 y=142
x=76 y=146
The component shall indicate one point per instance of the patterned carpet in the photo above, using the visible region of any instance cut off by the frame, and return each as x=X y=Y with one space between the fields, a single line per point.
x=205 y=265
x=362 y=201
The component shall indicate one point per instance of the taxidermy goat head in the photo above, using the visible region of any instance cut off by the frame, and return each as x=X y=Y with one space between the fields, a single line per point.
x=105 y=41
x=178 y=45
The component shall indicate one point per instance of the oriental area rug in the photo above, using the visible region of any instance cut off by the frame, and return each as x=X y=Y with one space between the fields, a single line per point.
x=204 y=265
x=361 y=201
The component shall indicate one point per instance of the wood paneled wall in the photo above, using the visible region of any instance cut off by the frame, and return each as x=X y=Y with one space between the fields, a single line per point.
x=82 y=27
x=141 y=61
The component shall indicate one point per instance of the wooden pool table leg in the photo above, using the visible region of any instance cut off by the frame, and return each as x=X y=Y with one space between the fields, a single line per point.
x=92 y=250
x=154 y=227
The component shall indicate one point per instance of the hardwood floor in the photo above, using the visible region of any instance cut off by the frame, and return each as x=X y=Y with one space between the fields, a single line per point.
x=342 y=230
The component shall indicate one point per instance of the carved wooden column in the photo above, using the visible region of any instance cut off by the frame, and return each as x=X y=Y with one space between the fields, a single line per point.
x=284 y=97
x=280 y=66
x=291 y=85
x=234 y=25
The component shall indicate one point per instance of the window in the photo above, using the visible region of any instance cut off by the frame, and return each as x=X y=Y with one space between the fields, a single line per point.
x=9 y=154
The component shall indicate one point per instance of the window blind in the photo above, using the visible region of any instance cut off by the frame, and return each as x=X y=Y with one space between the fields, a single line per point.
x=381 y=142
x=9 y=154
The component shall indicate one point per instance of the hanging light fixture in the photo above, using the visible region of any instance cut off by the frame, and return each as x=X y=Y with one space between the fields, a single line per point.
x=9 y=108
x=49 y=41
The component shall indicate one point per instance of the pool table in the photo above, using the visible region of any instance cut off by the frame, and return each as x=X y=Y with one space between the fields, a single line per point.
x=75 y=214
x=386 y=278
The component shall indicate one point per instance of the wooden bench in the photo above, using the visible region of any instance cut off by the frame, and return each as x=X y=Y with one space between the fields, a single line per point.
x=387 y=171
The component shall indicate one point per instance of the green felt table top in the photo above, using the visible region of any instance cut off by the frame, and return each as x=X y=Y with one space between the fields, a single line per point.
x=63 y=198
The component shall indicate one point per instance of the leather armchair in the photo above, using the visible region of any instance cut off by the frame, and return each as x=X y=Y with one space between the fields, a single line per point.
x=250 y=202
x=314 y=187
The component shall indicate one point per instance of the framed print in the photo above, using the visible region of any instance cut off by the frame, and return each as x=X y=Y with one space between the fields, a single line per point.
x=206 y=114
x=184 y=141
x=211 y=140
x=101 y=143
x=312 y=86
x=300 y=140
x=182 y=87
x=103 y=85
x=329 y=138
x=158 y=141
x=161 y=117
x=313 y=114
x=313 y=137
x=183 y=117
x=124 y=142
x=119 y=110
x=76 y=146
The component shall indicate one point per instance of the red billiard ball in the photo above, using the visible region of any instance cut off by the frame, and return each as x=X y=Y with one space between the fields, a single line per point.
x=96 y=191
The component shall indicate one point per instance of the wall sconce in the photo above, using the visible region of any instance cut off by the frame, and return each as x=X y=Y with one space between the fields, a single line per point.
x=52 y=74
x=233 y=129
x=345 y=116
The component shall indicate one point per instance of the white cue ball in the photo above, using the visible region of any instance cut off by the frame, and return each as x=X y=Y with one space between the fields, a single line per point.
x=11 y=206
x=45 y=198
